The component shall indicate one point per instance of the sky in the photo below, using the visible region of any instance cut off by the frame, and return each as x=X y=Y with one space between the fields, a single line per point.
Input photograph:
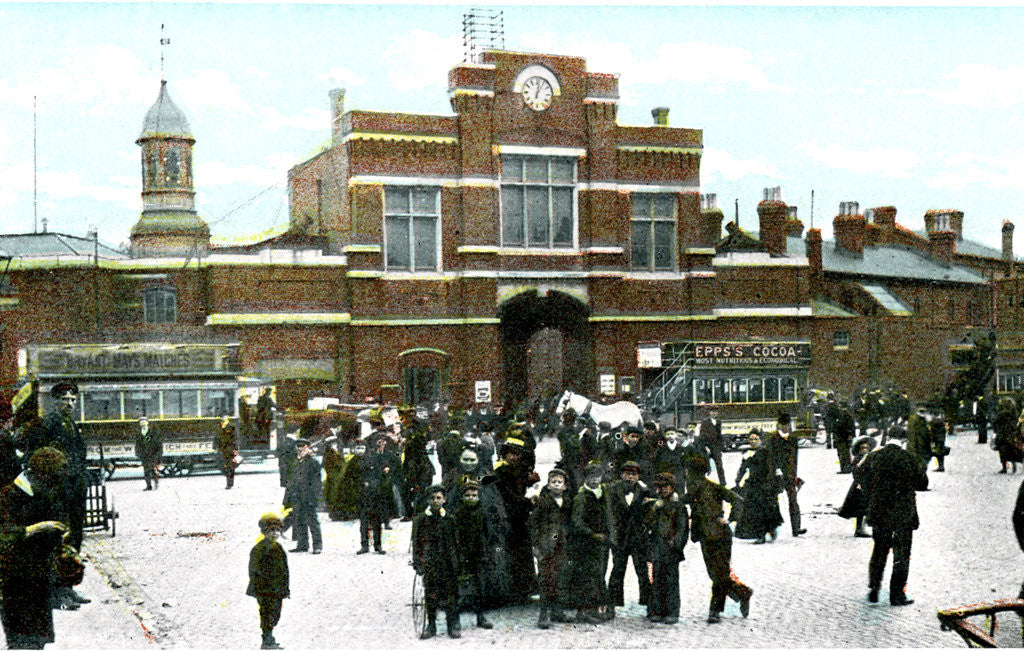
x=918 y=108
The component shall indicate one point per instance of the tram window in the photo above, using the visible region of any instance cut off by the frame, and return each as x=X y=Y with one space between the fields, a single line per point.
x=181 y=402
x=217 y=402
x=702 y=391
x=788 y=389
x=771 y=389
x=739 y=390
x=721 y=389
x=755 y=388
x=141 y=403
x=102 y=405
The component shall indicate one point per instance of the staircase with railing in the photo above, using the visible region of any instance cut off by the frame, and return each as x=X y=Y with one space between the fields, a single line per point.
x=668 y=387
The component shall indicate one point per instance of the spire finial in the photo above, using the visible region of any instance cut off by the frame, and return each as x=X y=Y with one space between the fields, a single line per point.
x=163 y=42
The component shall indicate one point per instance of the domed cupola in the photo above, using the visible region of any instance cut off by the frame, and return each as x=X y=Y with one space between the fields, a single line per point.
x=169 y=224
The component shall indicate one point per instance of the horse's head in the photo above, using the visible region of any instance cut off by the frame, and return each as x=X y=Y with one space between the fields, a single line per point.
x=563 y=402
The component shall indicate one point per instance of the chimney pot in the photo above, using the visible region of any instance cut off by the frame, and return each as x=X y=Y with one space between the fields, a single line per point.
x=660 y=115
x=1007 y=240
x=337 y=96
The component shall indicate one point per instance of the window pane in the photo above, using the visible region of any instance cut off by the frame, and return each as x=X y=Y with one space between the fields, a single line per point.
x=664 y=205
x=755 y=386
x=426 y=242
x=641 y=205
x=788 y=389
x=771 y=389
x=141 y=403
x=396 y=200
x=217 y=402
x=424 y=201
x=562 y=208
x=562 y=169
x=537 y=216
x=721 y=390
x=702 y=391
x=663 y=257
x=512 y=215
x=536 y=169
x=739 y=390
x=398 y=242
x=181 y=402
x=641 y=244
x=512 y=168
x=102 y=405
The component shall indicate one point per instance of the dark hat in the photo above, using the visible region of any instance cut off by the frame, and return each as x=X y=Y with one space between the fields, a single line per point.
x=603 y=425
x=557 y=471
x=594 y=468
x=784 y=418
x=47 y=461
x=512 y=443
x=698 y=463
x=634 y=430
x=270 y=519
x=61 y=388
x=664 y=479
x=471 y=484
x=630 y=465
x=301 y=443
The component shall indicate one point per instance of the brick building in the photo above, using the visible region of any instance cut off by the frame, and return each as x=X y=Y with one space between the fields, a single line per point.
x=524 y=243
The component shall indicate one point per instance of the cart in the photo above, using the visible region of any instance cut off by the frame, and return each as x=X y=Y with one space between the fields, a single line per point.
x=99 y=511
x=419 y=615
x=956 y=620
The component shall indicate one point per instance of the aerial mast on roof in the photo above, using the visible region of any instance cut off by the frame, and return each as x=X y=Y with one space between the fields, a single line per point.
x=163 y=42
x=35 y=172
x=482 y=29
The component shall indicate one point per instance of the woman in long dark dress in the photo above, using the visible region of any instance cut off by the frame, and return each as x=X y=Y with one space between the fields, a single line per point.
x=759 y=515
x=1008 y=436
x=856 y=502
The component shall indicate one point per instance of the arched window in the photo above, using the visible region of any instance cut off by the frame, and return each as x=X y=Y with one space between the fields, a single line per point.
x=160 y=304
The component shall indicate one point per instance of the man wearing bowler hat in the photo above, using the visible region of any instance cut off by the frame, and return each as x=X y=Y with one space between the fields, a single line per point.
x=303 y=494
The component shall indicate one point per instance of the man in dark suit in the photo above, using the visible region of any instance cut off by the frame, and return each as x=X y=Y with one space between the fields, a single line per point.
x=626 y=503
x=709 y=440
x=303 y=494
x=782 y=449
x=845 y=430
x=892 y=476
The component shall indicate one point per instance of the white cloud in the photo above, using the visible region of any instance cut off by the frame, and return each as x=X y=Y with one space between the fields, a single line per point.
x=420 y=59
x=693 y=62
x=341 y=76
x=308 y=120
x=257 y=72
x=210 y=88
x=895 y=162
x=980 y=86
x=968 y=170
x=724 y=165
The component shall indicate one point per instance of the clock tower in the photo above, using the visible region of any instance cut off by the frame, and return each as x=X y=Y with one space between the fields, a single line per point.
x=169 y=225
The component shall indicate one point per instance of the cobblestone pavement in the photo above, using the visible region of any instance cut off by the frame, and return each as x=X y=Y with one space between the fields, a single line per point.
x=175 y=574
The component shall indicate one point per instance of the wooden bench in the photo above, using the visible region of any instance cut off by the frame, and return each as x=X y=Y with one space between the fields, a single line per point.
x=956 y=620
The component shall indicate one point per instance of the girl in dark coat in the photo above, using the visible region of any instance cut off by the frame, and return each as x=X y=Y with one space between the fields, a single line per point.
x=549 y=523
x=268 y=576
x=587 y=557
x=435 y=558
x=1008 y=437
x=759 y=515
x=855 y=505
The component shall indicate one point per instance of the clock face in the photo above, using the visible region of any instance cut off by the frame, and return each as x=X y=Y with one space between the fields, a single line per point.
x=537 y=93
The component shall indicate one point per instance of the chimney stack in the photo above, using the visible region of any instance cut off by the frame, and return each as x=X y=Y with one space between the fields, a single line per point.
x=848 y=227
x=814 y=258
x=711 y=218
x=794 y=227
x=660 y=115
x=1007 y=240
x=337 y=96
x=772 y=213
x=943 y=227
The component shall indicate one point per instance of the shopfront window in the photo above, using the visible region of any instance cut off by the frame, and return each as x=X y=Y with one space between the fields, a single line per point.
x=181 y=403
x=788 y=385
x=141 y=403
x=755 y=386
x=1012 y=381
x=102 y=405
x=771 y=389
x=217 y=402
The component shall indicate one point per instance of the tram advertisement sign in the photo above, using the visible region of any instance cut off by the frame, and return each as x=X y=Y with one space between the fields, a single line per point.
x=760 y=353
x=137 y=359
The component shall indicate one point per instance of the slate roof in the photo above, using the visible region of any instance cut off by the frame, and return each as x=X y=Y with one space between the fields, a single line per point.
x=165 y=119
x=53 y=244
x=886 y=261
x=970 y=247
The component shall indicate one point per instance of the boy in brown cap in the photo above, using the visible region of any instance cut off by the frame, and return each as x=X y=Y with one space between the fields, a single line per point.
x=549 y=523
x=268 y=576
x=471 y=536
x=667 y=527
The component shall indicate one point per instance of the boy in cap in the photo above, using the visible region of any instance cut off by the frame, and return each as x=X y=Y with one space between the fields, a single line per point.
x=626 y=499
x=549 y=523
x=709 y=528
x=268 y=576
x=303 y=494
x=149 y=448
x=435 y=558
x=588 y=548
x=225 y=444
x=472 y=535
x=667 y=527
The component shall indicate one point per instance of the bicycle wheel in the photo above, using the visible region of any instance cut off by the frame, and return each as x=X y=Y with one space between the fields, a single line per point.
x=419 y=615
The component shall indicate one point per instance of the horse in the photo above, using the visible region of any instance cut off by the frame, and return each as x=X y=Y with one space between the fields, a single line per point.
x=616 y=414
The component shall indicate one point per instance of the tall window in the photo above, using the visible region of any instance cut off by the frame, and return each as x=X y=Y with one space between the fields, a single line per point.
x=538 y=201
x=160 y=304
x=654 y=226
x=411 y=222
x=422 y=384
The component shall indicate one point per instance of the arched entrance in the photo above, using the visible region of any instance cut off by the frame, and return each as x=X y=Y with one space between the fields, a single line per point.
x=545 y=343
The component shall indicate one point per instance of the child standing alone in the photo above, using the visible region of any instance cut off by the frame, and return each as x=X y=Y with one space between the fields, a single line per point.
x=268 y=576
